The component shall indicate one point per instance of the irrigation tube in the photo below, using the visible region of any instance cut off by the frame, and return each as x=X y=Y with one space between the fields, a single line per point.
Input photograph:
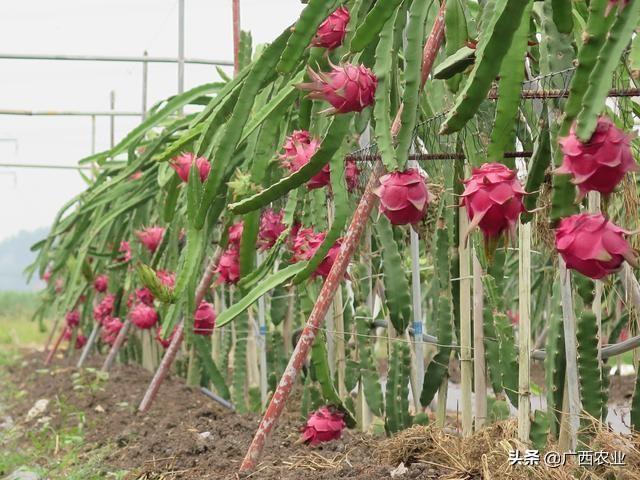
x=217 y=398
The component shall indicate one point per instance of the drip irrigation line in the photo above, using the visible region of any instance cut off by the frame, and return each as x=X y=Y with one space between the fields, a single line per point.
x=113 y=58
x=217 y=398
x=43 y=166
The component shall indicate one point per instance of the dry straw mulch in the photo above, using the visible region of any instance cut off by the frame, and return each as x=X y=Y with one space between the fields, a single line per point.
x=485 y=455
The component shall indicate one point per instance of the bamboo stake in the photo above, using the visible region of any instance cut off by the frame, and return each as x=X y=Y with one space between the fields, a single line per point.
x=571 y=349
x=87 y=348
x=596 y=306
x=479 y=361
x=54 y=349
x=466 y=362
x=340 y=350
x=332 y=282
x=524 y=331
x=441 y=406
x=115 y=348
x=262 y=346
x=418 y=345
x=365 y=412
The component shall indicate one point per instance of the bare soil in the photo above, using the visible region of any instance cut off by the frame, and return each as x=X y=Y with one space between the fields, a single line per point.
x=169 y=442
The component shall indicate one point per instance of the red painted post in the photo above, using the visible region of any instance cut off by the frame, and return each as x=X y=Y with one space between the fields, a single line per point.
x=50 y=337
x=331 y=284
x=236 y=36
x=53 y=351
x=115 y=348
x=178 y=336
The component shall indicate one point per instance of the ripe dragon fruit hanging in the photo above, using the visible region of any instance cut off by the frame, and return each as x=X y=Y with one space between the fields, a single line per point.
x=592 y=245
x=331 y=32
x=493 y=199
x=599 y=164
x=404 y=196
x=348 y=88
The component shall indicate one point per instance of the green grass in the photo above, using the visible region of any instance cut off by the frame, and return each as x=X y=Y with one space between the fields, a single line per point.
x=54 y=452
x=17 y=327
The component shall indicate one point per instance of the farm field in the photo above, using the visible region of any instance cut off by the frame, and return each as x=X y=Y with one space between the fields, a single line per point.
x=358 y=239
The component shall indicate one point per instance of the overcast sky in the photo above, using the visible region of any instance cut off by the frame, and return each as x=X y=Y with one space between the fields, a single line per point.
x=30 y=198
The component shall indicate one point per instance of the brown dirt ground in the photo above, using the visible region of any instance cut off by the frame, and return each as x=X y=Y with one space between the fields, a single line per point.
x=165 y=443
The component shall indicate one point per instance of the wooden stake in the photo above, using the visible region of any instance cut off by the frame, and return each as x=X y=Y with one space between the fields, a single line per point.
x=479 y=361
x=466 y=362
x=524 y=331
x=571 y=349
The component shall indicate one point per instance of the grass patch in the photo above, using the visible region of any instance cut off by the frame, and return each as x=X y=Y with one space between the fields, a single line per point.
x=52 y=446
x=17 y=327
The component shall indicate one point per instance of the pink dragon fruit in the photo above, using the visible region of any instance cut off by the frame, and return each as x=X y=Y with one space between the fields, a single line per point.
x=229 y=266
x=110 y=329
x=104 y=309
x=59 y=285
x=332 y=31
x=601 y=163
x=101 y=283
x=348 y=88
x=73 y=319
x=151 y=237
x=271 y=226
x=298 y=148
x=182 y=164
x=143 y=316
x=493 y=199
x=404 y=196
x=165 y=342
x=323 y=425
x=204 y=319
x=144 y=295
x=235 y=234
x=305 y=245
x=81 y=340
x=612 y=4
x=47 y=276
x=592 y=245
x=125 y=250
x=351 y=173
x=168 y=279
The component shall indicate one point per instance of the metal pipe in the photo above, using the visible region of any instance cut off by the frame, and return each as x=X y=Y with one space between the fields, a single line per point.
x=145 y=80
x=180 y=46
x=93 y=134
x=42 y=165
x=69 y=113
x=115 y=348
x=112 y=121
x=217 y=398
x=103 y=58
x=89 y=345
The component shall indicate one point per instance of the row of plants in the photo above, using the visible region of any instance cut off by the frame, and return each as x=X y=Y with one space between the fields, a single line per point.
x=254 y=186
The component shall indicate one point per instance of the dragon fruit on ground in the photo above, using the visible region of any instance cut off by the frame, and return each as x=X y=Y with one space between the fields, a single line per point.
x=143 y=316
x=348 y=88
x=404 y=196
x=493 y=199
x=592 y=245
x=331 y=32
x=182 y=165
x=204 y=319
x=599 y=164
x=323 y=425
